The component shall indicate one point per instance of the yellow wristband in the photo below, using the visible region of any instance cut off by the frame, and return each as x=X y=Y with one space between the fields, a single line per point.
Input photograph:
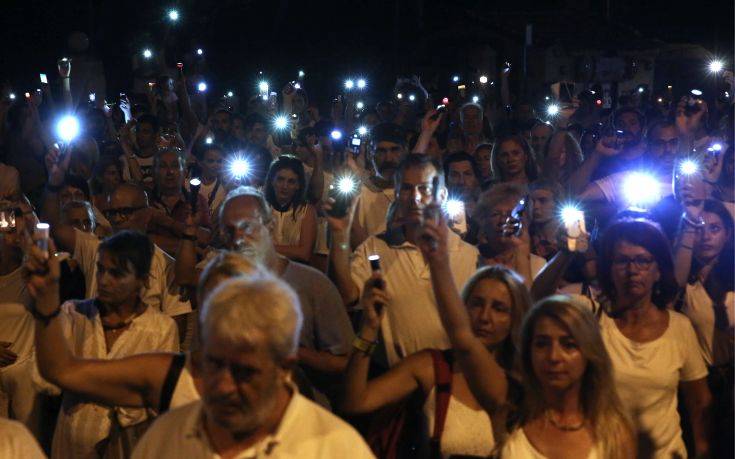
x=363 y=345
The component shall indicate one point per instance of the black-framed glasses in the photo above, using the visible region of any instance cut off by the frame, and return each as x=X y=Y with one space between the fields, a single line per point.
x=122 y=213
x=641 y=263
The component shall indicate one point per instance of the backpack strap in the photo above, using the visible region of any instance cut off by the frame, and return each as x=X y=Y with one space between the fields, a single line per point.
x=443 y=376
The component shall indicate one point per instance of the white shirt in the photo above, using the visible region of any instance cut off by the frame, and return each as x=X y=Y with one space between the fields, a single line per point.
x=305 y=431
x=161 y=294
x=17 y=442
x=715 y=344
x=16 y=323
x=517 y=446
x=287 y=225
x=372 y=207
x=647 y=376
x=412 y=322
x=467 y=431
x=82 y=424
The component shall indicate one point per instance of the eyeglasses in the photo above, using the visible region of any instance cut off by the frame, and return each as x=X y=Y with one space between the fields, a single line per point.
x=641 y=263
x=122 y=213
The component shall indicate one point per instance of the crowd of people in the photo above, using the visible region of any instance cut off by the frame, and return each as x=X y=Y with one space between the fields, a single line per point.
x=425 y=276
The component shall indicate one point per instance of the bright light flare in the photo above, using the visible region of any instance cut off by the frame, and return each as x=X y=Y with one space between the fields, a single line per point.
x=209 y=140
x=552 y=109
x=475 y=99
x=147 y=53
x=202 y=86
x=361 y=83
x=230 y=94
x=571 y=214
x=641 y=189
x=195 y=182
x=359 y=105
x=67 y=128
x=453 y=207
x=173 y=15
x=346 y=185
x=263 y=86
x=362 y=130
x=455 y=78
x=399 y=96
x=239 y=167
x=688 y=167
x=715 y=66
x=349 y=84
x=281 y=122
x=336 y=134
x=411 y=97
x=302 y=74
x=483 y=79
x=200 y=51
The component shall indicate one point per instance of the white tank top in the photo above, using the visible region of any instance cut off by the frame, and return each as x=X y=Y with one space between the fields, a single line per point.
x=517 y=446
x=288 y=226
x=466 y=431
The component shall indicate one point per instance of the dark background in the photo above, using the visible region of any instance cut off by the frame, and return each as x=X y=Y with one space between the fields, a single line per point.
x=334 y=39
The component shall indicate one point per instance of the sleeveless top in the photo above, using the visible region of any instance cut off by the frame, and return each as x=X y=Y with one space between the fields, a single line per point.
x=467 y=431
x=517 y=446
x=288 y=225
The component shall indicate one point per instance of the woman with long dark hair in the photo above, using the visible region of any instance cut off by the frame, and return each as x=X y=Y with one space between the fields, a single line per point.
x=294 y=219
x=513 y=161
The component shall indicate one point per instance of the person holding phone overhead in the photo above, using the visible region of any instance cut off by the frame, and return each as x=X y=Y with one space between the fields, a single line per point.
x=411 y=323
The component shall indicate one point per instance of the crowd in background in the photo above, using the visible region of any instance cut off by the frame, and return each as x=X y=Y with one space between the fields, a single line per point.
x=268 y=274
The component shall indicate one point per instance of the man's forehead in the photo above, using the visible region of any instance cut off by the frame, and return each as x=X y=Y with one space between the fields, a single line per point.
x=418 y=175
x=665 y=133
x=126 y=197
x=243 y=206
x=237 y=350
x=460 y=165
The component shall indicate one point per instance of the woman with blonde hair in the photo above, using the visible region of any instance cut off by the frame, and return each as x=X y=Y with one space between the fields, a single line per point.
x=567 y=406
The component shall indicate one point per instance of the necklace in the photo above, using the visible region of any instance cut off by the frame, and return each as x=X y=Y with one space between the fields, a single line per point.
x=562 y=427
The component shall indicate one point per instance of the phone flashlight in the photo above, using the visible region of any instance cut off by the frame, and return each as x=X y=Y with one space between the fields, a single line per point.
x=688 y=167
x=455 y=79
x=399 y=96
x=552 y=110
x=173 y=15
x=194 y=186
x=411 y=97
x=361 y=83
x=67 y=128
x=92 y=97
x=362 y=130
x=280 y=122
x=342 y=192
x=453 y=207
x=44 y=78
x=715 y=66
x=208 y=140
x=514 y=223
x=180 y=66
x=147 y=53
x=641 y=189
x=573 y=219
x=483 y=79
x=359 y=105
x=475 y=99
x=374 y=260
x=41 y=236
x=230 y=94
x=28 y=95
x=336 y=134
x=239 y=167
x=200 y=51
x=301 y=74
x=11 y=96
x=349 y=84
x=263 y=87
x=202 y=87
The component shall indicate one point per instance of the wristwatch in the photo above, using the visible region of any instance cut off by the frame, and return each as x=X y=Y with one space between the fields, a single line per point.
x=364 y=346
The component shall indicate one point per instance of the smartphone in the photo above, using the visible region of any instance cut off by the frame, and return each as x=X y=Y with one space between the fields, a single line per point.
x=431 y=212
x=41 y=236
x=379 y=283
x=342 y=196
x=694 y=101
x=514 y=223
x=44 y=78
x=355 y=144
x=574 y=228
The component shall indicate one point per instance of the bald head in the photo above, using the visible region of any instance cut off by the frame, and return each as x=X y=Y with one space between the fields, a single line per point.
x=127 y=208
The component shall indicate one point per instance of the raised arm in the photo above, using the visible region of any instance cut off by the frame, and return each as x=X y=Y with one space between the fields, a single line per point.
x=486 y=378
x=132 y=381
x=339 y=253
x=432 y=120
x=362 y=395
x=686 y=237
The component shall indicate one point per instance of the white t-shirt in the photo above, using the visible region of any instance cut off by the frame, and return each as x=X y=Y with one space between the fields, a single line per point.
x=161 y=294
x=517 y=446
x=305 y=431
x=372 y=207
x=715 y=344
x=412 y=322
x=146 y=168
x=17 y=442
x=287 y=225
x=647 y=376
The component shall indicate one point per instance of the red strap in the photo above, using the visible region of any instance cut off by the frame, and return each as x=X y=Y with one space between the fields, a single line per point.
x=443 y=377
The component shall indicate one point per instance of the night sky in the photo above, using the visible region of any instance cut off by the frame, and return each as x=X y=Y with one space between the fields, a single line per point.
x=333 y=39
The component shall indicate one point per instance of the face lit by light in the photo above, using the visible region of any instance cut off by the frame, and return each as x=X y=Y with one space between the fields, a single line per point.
x=147 y=53
x=483 y=79
x=202 y=86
